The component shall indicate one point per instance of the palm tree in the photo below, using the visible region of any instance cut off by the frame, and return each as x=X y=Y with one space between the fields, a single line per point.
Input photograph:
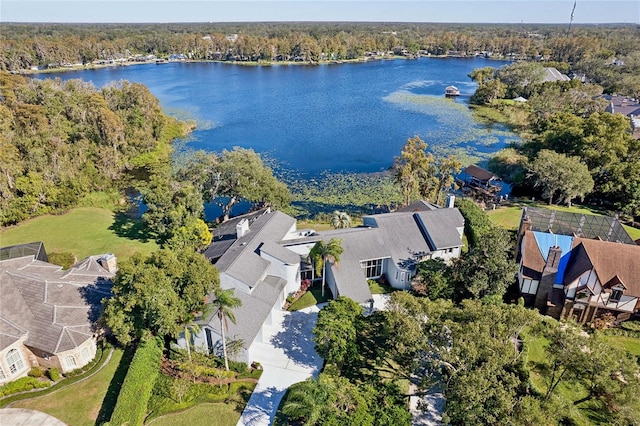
x=224 y=303
x=190 y=330
x=340 y=220
x=306 y=400
x=322 y=252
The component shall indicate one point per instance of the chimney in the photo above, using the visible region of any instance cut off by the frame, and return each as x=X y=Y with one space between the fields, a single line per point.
x=548 y=278
x=109 y=262
x=553 y=260
x=525 y=225
x=242 y=228
x=451 y=199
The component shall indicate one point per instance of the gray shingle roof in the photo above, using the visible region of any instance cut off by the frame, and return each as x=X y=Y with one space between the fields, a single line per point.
x=552 y=74
x=281 y=253
x=399 y=236
x=358 y=244
x=418 y=206
x=441 y=226
x=253 y=312
x=242 y=260
x=225 y=234
x=56 y=308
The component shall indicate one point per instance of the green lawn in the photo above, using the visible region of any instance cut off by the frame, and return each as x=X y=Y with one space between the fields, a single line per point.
x=83 y=231
x=509 y=217
x=630 y=344
x=202 y=414
x=80 y=403
x=377 y=288
x=313 y=296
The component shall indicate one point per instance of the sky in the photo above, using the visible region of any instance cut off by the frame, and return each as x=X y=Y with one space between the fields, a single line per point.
x=468 y=11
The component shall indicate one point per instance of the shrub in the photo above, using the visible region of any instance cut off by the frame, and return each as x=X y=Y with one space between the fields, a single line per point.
x=137 y=387
x=476 y=222
x=238 y=366
x=631 y=325
x=53 y=374
x=36 y=372
x=21 y=385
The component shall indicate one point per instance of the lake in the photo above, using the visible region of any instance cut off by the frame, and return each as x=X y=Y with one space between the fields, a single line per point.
x=350 y=117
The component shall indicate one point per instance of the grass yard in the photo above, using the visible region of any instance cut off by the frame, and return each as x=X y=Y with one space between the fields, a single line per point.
x=629 y=344
x=202 y=414
x=311 y=297
x=376 y=288
x=82 y=231
x=80 y=403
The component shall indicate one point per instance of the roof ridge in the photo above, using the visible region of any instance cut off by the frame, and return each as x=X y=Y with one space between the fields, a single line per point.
x=13 y=324
x=255 y=235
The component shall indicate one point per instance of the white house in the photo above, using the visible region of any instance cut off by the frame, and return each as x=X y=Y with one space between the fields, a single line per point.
x=263 y=257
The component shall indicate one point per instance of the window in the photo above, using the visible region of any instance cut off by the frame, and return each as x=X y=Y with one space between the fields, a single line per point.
x=372 y=268
x=70 y=361
x=14 y=361
x=2 y=376
x=306 y=275
x=616 y=294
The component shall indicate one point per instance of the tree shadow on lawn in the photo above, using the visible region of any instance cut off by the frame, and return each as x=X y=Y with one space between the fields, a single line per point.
x=111 y=397
x=295 y=339
x=132 y=229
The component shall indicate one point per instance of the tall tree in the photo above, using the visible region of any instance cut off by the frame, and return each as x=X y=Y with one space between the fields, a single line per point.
x=224 y=304
x=243 y=175
x=487 y=269
x=336 y=329
x=323 y=252
x=557 y=174
x=446 y=168
x=414 y=169
x=340 y=220
x=158 y=294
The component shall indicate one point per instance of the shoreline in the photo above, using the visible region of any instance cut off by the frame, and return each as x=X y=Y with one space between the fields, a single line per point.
x=363 y=59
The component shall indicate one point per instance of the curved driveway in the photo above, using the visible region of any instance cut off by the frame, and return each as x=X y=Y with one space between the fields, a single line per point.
x=288 y=358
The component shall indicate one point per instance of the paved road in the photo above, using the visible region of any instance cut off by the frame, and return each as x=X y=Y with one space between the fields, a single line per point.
x=288 y=358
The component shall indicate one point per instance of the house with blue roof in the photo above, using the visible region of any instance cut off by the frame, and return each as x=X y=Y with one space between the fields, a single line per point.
x=587 y=268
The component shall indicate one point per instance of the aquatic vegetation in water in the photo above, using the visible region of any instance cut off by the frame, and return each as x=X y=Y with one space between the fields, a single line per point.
x=356 y=193
x=456 y=130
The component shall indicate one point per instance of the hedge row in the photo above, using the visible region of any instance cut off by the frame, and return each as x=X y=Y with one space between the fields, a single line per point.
x=131 y=406
x=476 y=222
x=23 y=384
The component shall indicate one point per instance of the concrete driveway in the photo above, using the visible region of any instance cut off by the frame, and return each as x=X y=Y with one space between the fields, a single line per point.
x=288 y=358
x=25 y=417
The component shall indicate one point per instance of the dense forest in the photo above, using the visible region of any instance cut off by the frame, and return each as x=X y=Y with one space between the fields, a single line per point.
x=60 y=141
x=27 y=45
x=572 y=148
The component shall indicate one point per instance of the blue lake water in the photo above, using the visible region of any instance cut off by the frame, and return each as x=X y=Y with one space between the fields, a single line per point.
x=351 y=117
